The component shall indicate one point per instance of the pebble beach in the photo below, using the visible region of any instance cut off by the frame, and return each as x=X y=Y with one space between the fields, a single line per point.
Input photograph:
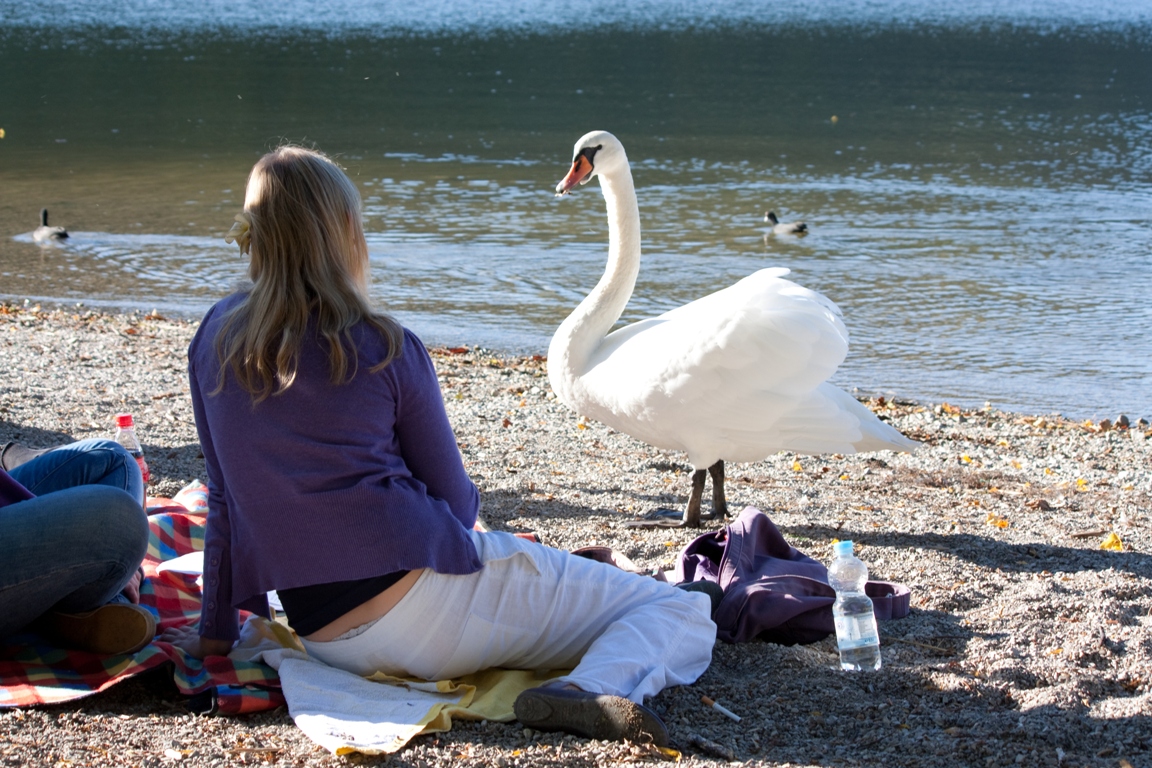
x=1026 y=541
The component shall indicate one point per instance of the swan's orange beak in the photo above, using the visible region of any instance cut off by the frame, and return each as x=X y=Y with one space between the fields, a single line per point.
x=580 y=173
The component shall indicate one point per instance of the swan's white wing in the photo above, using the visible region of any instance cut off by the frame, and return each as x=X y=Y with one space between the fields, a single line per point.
x=717 y=376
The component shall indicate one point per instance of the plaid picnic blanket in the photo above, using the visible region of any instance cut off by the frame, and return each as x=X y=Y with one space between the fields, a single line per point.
x=33 y=673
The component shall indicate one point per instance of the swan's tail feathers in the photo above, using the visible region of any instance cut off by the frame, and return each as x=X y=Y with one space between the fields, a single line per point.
x=885 y=437
x=876 y=435
x=828 y=420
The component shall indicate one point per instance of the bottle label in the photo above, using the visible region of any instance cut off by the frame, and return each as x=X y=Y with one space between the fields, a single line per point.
x=856 y=631
x=143 y=468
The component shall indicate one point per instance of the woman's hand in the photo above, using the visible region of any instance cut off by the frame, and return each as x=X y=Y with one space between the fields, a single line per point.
x=188 y=639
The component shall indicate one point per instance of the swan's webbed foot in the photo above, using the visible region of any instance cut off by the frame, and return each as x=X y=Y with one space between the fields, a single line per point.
x=692 y=513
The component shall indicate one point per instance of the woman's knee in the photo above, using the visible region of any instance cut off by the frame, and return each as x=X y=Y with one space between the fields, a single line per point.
x=97 y=444
x=111 y=519
x=121 y=468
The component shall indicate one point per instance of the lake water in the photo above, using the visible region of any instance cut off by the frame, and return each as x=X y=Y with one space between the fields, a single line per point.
x=977 y=181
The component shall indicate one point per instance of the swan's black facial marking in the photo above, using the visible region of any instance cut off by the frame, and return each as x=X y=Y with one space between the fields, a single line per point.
x=589 y=154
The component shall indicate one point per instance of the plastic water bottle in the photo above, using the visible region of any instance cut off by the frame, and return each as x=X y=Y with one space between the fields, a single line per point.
x=126 y=436
x=856 y=633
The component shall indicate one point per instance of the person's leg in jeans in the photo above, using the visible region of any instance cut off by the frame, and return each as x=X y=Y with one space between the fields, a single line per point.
x=70 y=551
x=86 y=462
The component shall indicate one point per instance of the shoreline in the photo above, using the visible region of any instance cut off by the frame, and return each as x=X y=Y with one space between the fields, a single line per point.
x=1027 y=642
x=966 y=402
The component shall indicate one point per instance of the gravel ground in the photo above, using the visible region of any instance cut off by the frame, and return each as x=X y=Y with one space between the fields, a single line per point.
x=1028 y=643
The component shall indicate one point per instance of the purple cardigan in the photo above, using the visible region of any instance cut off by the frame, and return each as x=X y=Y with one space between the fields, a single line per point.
x=326 y=482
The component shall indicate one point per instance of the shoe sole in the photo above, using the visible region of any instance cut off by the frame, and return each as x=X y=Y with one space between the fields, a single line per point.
x=111 y=629
x=593 y=716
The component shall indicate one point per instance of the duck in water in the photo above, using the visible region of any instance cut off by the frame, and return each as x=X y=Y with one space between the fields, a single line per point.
x=45 y=233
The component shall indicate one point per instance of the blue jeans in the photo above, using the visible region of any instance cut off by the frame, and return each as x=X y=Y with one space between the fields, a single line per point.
x=86 y=462
x=74 y=546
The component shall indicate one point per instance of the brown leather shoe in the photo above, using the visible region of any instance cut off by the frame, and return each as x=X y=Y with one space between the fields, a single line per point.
x=591 y=715
x=111 y=629
x=13 y=455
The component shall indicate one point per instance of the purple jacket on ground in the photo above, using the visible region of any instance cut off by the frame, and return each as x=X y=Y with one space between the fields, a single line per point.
x=326 y=482
x=772 y=591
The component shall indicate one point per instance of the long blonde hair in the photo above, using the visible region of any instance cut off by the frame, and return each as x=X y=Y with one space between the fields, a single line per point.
x=308 y=258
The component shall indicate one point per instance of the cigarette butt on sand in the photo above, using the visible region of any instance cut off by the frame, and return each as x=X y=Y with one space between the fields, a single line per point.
x=722 y=710
x=711 y=747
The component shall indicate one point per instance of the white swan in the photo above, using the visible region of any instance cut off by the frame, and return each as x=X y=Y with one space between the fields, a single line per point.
x=785 y=228
x=737 y=375
x=45 y=233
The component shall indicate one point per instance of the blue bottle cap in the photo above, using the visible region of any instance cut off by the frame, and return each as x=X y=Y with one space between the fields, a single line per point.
x=842 y=549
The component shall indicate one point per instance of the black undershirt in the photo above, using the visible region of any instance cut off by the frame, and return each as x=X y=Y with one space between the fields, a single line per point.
x=312 y=608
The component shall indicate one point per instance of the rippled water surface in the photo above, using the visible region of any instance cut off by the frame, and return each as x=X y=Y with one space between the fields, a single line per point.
x=978 y=182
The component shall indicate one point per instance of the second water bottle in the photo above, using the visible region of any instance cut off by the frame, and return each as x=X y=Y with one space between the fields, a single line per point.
x=856 y=633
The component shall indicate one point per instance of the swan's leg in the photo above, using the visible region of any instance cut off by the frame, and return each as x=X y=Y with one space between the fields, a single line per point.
x=692 y=513
x=719 y=502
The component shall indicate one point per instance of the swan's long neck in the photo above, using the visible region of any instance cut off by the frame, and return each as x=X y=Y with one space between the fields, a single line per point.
x=578 y=336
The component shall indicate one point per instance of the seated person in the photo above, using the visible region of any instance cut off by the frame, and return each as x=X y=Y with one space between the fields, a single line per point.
x=335 y=479
x=73 y=533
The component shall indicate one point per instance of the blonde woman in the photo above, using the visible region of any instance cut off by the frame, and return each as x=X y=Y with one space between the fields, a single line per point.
x=335 y=479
